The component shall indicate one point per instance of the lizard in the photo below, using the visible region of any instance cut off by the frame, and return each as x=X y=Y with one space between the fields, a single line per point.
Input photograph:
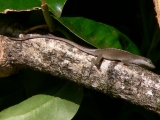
x=112 y=54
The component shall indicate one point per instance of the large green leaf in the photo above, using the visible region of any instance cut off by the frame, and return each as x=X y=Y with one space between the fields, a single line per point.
x=98 y=34
x=63 y=105
x=18 y=5
x=56 y=6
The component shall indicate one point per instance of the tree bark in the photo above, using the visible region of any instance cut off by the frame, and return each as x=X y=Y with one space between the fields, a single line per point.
x=157 y=9
x=132 y=83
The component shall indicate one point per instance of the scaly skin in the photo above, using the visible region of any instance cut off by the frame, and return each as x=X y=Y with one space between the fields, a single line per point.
x=108 y=53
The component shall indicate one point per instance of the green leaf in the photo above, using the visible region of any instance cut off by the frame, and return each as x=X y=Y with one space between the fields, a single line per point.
x=18 y=5
x=62 y=106
x=98 y=34
x=56 y=6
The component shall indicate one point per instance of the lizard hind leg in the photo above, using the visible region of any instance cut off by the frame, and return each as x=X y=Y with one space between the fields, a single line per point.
x=95 y=62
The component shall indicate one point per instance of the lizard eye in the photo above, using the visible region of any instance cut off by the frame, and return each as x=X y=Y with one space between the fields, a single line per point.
x=149 y=61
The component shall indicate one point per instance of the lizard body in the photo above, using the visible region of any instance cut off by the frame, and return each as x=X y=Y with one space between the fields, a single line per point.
x=107 y=53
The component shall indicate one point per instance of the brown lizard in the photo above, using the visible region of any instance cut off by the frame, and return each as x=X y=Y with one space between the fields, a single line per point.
x=107 y=53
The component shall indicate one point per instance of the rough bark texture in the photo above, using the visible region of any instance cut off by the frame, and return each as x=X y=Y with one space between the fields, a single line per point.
x=157 y=9
x=131 y=83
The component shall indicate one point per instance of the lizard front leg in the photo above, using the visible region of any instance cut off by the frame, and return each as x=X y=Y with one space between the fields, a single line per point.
x=96 y=61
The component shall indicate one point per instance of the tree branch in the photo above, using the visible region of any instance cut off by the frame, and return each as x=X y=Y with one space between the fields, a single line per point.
x=131 y=83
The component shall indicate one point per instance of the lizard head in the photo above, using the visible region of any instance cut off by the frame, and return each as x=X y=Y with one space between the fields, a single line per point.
x=145 y=62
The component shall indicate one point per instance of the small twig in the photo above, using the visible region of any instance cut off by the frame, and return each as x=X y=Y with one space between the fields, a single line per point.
x=47 y=16
x=35 y=28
